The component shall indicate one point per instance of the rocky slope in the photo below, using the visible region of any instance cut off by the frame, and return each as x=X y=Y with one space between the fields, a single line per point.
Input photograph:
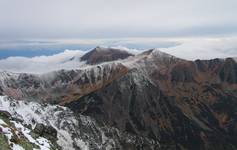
x=148 y=101
x=180 y=104
x=31 y=125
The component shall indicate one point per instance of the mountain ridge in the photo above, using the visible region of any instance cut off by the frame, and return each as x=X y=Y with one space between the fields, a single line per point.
x=153 y=96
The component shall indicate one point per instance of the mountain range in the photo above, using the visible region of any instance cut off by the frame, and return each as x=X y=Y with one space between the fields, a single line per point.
x=119 y=100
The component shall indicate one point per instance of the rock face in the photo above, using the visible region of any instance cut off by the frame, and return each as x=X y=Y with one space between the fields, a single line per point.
x=100 y=54
x=15 y=134
x=56 y=127
x=180 y=104
x=148 y=101
x=46 y=131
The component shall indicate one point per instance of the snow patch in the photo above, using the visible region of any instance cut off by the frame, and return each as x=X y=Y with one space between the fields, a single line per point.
x=58 y=117
x=8 y=132
x=41 y=142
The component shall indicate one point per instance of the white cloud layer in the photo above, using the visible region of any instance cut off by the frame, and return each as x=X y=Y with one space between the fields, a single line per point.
x=69 y=59
x=204 y=48
x=190 y=48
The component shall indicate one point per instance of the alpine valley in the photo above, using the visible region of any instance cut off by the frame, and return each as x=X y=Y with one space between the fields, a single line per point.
x=117 y=100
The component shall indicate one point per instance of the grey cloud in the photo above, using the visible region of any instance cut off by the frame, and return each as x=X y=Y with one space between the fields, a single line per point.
x=110 y=18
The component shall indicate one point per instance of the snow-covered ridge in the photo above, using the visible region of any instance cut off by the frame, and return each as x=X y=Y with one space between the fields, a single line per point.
x=62 y=85
x=160 y=54
x=5 y=76
x=17 y=134
x=33 y=113
x=73 y=132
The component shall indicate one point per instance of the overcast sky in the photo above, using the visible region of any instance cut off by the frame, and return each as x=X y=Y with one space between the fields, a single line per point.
x=24 y=19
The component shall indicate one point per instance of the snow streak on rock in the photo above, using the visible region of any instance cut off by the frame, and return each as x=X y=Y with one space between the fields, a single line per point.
x=73 y=132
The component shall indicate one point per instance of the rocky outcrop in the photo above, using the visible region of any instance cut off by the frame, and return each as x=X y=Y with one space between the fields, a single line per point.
x=46 y=131
x=228 y=73
x=182 y=73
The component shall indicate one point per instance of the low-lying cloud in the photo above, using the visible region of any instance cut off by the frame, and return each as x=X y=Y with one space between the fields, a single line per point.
x=191 y=49
x=69 y=59
x=204 y=48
